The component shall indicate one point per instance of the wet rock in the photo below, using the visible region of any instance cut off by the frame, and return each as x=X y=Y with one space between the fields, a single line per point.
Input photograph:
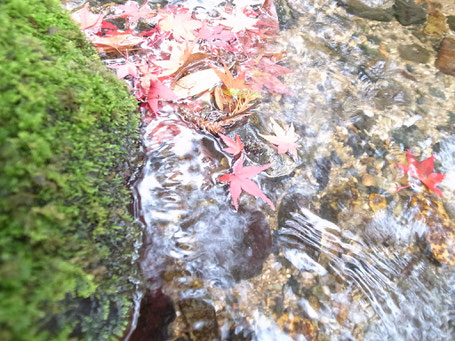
x=451 y=22
x=321 y=171
x=414 y=53
x=292 y=202
x=156 y=313
x=230 y=246
x=436 y=24
x=255 y=248
x=297 y=327
x=408 y=12
x=408 y=137
x=358 y=141
x=200 y=319
x=440 y=233
x=445 y=61
x=381 y=10
x=119 y=22
x=361 y=121
x=296 y=231
x=287 y=15
x=435 y=92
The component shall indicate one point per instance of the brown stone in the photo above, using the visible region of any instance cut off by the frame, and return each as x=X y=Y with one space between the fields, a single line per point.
x=446 y=56
x=377 y=202
x=368 y=180
x=436 y=24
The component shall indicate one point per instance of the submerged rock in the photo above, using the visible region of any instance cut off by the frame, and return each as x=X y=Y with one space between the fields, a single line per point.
x=436 y=24
x=408 y=12
x=451 y=22
x=156 y=313
x=287 y=15
x=200 y=318
x=414 y=53
x=381 y=10
x=446 y=56
x=255 y=247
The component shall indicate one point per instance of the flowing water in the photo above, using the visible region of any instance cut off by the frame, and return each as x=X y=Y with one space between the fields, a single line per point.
x=344 y=256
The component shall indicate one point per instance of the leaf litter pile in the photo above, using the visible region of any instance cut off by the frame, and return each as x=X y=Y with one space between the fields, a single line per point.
x=212 y=67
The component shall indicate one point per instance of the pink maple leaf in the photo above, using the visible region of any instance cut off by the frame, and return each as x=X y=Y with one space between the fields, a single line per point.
x=284 y=140
x=132 y=11
x=127 y=69
x=240 y=180
x=181 y=25
x=158 y=92
x=86 y=18
x=211 y=33
x=265 y=73
x=423 y=171
x=234 y=147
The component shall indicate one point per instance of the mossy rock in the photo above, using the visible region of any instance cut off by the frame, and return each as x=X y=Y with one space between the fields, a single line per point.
x=67 y=130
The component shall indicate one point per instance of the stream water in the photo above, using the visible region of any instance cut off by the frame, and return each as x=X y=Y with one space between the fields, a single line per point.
x=344 y=256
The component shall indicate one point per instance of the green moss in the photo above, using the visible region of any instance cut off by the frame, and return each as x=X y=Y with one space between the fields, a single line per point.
x=67 y=129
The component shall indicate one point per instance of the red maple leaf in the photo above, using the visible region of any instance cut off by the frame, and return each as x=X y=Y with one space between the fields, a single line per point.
x=423 y=171
x=234 y=147
x=158 y=92
x=240 y=180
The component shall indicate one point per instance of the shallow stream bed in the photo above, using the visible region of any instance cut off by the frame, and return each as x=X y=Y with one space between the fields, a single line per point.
x=345 y=256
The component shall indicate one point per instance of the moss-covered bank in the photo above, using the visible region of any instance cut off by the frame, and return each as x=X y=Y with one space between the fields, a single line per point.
x=67 y=127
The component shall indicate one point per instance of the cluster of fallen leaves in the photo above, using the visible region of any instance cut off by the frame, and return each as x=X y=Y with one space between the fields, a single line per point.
x=182 y=53
x=221 y=61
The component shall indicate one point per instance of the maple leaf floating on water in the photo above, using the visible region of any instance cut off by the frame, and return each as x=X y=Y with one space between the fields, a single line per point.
x=234 y=147
x=284 y=140
x=240 y=180
x=180 y=24
x=158 y=92
x=423 y=171
x=239 y=21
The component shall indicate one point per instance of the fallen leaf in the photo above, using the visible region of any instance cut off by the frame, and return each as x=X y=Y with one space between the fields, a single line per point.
x=239 y=21
x=265 y=73
x=239 y=180
x=423 y=171
x=132 y=11
x=127 y=69
x=195 y=83
x=179 y=55
x=181 y=25
x=212 y=33
x=258 y=80
x=86 y=18
x=234 y=147
x=228 y=79
x=119 y=42
x=158 y=92
x=284 y=140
